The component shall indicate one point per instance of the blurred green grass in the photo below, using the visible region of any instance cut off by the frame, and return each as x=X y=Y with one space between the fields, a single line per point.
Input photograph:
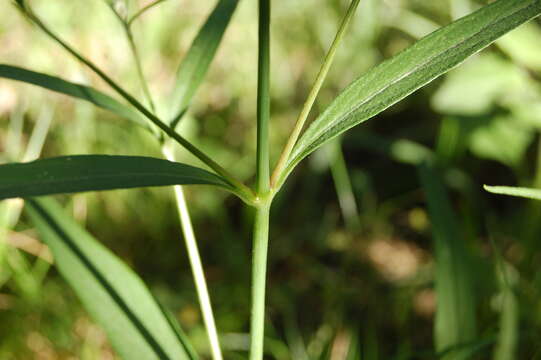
x=331 y=286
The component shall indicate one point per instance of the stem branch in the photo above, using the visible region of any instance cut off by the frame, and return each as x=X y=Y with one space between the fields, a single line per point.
x=142 y=11
x=301 y=120
x=139 y=67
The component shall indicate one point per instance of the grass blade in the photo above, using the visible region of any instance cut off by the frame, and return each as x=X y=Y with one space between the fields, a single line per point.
x=68 y=88
x=411 y=69
x=68 y=174
x=112 y=293
x=528 y=193
x=196 y=63
x=242 y=190
x=455 y=312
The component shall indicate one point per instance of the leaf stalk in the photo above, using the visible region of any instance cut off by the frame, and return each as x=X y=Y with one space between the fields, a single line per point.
x=308 y=104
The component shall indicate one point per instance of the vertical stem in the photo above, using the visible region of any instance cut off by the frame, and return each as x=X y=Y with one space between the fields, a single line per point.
x=259 y=273
x=261 y=221
x=263 y=99
x=197 y=267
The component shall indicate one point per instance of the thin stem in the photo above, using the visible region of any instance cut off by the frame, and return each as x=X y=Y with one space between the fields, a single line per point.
x=263 y=98
x=139 y=68
x=259 y=274
x=136 y=57
x=242 y=190
x=313 y=93
x=142 y=11
x=196 y=266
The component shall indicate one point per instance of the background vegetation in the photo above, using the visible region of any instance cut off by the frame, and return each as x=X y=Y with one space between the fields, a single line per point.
x=352 y=254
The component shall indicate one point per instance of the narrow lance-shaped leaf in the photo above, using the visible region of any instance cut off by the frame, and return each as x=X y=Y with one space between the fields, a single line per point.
x=528 y=193
x=455 y=313
x=111 y=292
x=68 y=88
x=79 y=173
x=195 y=65
x=411 y=69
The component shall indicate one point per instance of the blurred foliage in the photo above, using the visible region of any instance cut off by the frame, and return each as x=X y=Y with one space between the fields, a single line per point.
x=345 y=282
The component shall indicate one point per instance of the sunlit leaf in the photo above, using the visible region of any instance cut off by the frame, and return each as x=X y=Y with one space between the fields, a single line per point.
x=111 y=292
x=68 y=88
x=528 y=193
x=195 y=65
x=411 y=69
x=69 y=174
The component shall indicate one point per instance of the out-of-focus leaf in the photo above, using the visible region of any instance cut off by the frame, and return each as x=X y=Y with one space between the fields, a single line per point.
x=508 y=336
x=455 y=323
x=522 y=45
x=111 y=292
x=194 y=67
x=406 y=72
x=528 y=193
x=68 y=88
x=475 y=87
x=486 y=141
x=79 y=173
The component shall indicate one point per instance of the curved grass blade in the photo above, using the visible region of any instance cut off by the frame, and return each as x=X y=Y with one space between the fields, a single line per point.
x=528 y=193
x=69 y=174
x=455 y=323
x=195 y=65
x=110 y=291
x=411 y=69
x=68 y=88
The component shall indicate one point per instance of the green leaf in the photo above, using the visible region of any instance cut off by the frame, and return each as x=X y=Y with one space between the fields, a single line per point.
x=528 y=193
x=111 y=292
x=411 y=69
x=195 y=65
x=455 y=323
x=68 y=88
x=486 y=141
x=68 y=174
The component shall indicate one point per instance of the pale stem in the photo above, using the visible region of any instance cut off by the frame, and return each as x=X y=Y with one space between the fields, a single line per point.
x=196 y=266
x=139 y=68
x=259 y=274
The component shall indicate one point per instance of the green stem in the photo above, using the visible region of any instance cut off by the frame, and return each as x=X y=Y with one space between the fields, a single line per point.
x=301 y=120
x=263 y=98
x=242 y=190
x=259 y=272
